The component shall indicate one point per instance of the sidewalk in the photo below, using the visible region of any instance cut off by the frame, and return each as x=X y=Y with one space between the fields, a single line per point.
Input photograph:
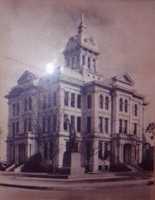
x=73 y=183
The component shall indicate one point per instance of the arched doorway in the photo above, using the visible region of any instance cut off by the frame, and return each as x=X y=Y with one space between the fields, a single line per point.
x=127 y=153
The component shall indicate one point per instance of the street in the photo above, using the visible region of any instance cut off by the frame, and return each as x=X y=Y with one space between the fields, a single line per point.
x=113 y=193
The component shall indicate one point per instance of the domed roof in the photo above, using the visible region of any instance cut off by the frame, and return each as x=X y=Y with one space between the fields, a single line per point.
x=82 y=39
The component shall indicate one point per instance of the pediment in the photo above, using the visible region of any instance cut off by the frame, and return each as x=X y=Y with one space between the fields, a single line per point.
x=125 y=79
x=27 y=76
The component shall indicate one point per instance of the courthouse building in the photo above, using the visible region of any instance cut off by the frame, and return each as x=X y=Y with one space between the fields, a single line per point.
x=106 y=114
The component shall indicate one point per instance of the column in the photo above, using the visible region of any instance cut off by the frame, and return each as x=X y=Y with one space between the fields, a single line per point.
x=61 y=150
x=95 y=156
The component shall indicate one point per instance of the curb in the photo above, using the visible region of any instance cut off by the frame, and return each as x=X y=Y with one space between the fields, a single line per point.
x=74 y=187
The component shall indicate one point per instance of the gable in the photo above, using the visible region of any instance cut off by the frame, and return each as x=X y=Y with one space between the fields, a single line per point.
x=125 y=79
x=26 y=77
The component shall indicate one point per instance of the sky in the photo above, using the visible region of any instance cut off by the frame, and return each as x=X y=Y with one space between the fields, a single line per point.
x=34 y=33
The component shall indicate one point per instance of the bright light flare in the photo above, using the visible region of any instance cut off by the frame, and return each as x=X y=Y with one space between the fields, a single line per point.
x=50 y=68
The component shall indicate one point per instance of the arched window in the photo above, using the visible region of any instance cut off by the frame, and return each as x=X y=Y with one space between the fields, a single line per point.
x=107 y=103
x=101 y=101
x=121 y=104
x=126 y=105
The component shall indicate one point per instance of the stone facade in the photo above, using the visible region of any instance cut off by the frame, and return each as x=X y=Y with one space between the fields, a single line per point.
x=107 y=115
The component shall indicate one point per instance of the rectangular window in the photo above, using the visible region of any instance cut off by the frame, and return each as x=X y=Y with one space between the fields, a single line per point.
x=72 y=100
x=44 y=102
x=29 y=124
x=78 y=124
x=65 y=122
x=101 y=124
x=72 y=121
x=44 y=124
x=25 y=104
x=125 y=126
x=54 y=123
x=14 y=109
x=66 y=99
x=107 y=125
x=49 y=100
x=54 y=98
x=89 y=101
x=25 y=125
x=13 y=129
x=120 y=125
x=135 y=129
x=79 y=101
x=100 y=150
x=89 y=63
x=88 y=124
x=18 y=108
x=83 y=60
x=49 y=124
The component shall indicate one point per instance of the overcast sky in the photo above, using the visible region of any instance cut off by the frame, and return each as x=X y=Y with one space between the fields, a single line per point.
x=34 y=32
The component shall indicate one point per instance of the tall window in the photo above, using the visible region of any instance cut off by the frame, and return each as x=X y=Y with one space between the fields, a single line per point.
x=54 y=123
x=25 y=125
x=72 y=100
x=100 y=151
x=94 y=64
x=89 y=124
x=107 y=125
x=65 y=122
x=13 y=128
x=120 y=104
x=79 y=101
x=29 y=124
x=18 y=108
x=101 y=101
x=44 y=124
x=126 y=105
x=101 y=124
x=120 y=125
x=136 y=110
x=83 y=59
x=49 y=124
x=125 y=126
x=135 y=129
x=14 y=109
x=30 y=103
x=54 y=98
x=25 y=104
x=107 y=103
x=17 y=127
x=49 y=100
x=78 y=124
x=89 y=63
x=72 y=121
x=45 y=150
x=66 y=98
x=44 y=102
x=89 y=101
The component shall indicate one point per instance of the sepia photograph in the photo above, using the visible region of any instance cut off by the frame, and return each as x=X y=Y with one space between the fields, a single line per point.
x=76 y=99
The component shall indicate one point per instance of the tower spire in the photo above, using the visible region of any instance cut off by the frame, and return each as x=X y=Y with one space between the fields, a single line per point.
x=82 y=25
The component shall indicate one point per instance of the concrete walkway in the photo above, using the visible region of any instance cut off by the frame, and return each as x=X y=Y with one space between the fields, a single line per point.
x=73 y=183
